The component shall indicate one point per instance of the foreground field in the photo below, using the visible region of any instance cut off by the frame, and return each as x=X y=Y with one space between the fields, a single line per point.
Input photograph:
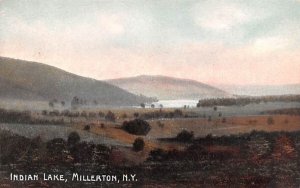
x=201 y=127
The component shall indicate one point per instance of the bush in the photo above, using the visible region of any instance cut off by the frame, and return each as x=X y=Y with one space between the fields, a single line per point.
x=101 y=114
x=73 y=139
x=185 y=136
x=138 y=144
x=92 y=114
x=57 y=149
x=87 y=128
x=110 y=116
x=157 y=155
x=137 y=127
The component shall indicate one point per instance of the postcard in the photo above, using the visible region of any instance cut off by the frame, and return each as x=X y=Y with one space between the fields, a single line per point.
x=139 y=93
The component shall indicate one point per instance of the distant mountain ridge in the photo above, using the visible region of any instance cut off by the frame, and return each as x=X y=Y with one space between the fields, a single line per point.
x=35 y=81
x=164 y=87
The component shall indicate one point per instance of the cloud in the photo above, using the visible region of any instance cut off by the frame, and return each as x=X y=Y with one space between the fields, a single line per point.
x=219 y=15
x=271 y=43
x=111 y=23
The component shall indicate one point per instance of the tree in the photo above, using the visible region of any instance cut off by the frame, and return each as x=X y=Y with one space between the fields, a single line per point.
x=136 y=127
x=87 y=128
x=56 y=149
x=110 y=116
x=73 y=139
x=138 y=144
x=75 y=102
x=185 y=136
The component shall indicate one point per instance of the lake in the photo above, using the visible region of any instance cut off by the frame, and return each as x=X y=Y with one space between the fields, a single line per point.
x=174 y=103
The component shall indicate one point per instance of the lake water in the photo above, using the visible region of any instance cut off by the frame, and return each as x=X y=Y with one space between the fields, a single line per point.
x=175 y=103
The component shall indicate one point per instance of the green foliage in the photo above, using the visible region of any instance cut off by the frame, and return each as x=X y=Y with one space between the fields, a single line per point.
x=110 y=116
x=73 y=138
x=87 y=128
x=138 y=144
x=242 y=101
x=137 y=127
x=185 y=136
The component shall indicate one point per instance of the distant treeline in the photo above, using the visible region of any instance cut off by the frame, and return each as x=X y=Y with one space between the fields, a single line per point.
x=242 y=101
x=287 y=111
x=50 y=117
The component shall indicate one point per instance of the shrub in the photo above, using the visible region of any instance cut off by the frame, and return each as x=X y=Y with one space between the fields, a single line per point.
x=73 y=138
x=185 y=136
x=44 y=112
x=137 y=127
x=138 y=144
x=92 y=114
x=84 y=114
x=56 y=148
x=54 y=113
x=178 y=113
x=101 y=114
x=87 y=128
x=110 y=116
x=157 y=155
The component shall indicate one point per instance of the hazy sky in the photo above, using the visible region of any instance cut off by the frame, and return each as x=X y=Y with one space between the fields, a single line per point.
x=212 y=41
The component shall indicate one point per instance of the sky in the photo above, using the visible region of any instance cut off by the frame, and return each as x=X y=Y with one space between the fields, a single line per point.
x=241 y=42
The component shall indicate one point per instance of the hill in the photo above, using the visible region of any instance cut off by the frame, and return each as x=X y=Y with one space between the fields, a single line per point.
x=35 y=81
x=164 y=87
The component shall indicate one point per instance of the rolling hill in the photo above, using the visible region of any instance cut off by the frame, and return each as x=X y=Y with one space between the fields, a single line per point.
x=35 y=81
x=163 y=87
